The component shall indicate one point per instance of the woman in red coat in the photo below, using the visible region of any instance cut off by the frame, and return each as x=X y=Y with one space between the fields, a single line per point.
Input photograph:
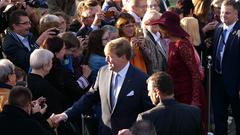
x=183 y=63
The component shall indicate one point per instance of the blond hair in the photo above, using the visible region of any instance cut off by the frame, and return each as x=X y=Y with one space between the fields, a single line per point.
x=120 y=46
x=190 y=25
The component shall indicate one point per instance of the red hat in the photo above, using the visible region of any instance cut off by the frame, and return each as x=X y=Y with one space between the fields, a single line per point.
x=171 y=22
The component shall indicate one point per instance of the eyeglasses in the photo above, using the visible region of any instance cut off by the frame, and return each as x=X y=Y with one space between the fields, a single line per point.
x=129 y=25
x=104 y=39
x=88 y=17
x=153 y=6
x=142 y=6
x=25 y=23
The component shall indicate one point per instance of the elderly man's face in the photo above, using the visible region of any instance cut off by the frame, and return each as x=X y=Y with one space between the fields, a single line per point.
x=140 y=8
x=153 y=28
x=153 y=5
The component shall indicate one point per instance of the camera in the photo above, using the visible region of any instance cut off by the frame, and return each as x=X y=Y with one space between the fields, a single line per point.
x=109 y=14
x=42 y=103
x=138 y=32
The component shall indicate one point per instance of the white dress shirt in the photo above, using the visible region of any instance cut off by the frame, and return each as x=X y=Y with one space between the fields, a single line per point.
x=24 y=40
x=122 y=74
x=229 y=29
x=157 y=39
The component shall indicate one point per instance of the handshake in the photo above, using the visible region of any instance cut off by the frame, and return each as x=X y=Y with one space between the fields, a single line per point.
x=55 y=119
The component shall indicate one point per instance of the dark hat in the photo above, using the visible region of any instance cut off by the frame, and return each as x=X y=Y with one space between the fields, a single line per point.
x=171 y=22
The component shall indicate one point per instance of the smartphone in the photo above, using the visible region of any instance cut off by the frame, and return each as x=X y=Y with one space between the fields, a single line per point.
x=138 y=32
x=42 y=103
x=109 y=14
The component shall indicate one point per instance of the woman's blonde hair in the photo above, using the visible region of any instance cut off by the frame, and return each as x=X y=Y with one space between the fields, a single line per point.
x=191 y=26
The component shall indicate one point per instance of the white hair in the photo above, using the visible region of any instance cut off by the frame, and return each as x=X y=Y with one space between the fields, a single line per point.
x=6 y=68
x=150 y=15
x=40 y=57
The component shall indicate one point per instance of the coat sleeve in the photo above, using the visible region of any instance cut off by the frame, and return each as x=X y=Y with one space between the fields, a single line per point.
x=85 y=102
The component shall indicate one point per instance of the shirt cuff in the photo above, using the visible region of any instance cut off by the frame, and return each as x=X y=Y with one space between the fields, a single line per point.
x=83 y=82
x=65 y=117
x=94 y=27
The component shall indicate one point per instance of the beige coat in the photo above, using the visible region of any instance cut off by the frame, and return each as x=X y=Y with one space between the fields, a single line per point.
x=4 y=93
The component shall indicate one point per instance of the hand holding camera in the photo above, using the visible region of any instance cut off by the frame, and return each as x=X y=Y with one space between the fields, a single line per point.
x=47 y=34
x=115 y=10
x=83 y=41
x=39 y=105
x=138 y=40
x=98 y=18
x=109 y=14
x=134 y=42
x=140 y=36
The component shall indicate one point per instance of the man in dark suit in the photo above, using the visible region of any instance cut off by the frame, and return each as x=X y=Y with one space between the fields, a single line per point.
x=170 y=117
x=19 y=43
x=119 y=86
x=226 y=68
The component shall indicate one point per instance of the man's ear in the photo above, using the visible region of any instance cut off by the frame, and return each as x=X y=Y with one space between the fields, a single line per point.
x=13 y=26
x=10 y=78
x=158 y=93
x=123 y=56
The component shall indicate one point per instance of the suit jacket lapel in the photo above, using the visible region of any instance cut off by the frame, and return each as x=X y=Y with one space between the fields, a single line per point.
x=217 y=36
x=31 y=45
x=232 y=36
x=150 y=36
x=161 y=49
x=156 y=44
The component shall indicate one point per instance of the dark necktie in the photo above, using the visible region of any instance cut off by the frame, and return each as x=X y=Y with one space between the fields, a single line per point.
x=221 y=44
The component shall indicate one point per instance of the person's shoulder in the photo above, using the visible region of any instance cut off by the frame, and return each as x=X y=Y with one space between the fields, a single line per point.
x=104 y=69
x=137 y=72
x=151 y=114
x=8 y=38
x=237 y=25
x=189 y=108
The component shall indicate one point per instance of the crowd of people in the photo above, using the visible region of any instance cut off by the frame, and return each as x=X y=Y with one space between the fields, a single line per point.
x=119 y=67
